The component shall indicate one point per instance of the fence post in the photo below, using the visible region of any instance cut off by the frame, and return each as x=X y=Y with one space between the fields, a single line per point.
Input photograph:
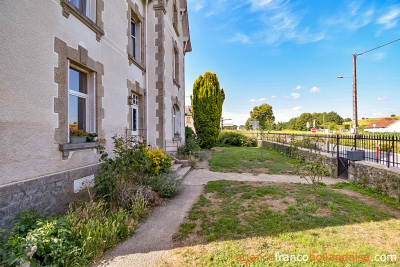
x=355 y=142
x=393 y=148
x=337 y=145
x=377 y=153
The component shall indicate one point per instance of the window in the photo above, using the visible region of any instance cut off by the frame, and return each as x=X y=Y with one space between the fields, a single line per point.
x=87 y=11
x=176 y=122
x=135 y=48
x=80 y=100
x=86 y=7
x=175 y=66
x=135 y=114
x=135 y=37
x=175 y=19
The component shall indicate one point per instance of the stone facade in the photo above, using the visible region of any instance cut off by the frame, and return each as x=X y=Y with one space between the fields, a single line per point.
x=38 y=49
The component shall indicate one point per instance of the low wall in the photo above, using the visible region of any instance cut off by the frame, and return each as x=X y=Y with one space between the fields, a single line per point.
x=375 y=176
x=329 y=160
x=51 y=193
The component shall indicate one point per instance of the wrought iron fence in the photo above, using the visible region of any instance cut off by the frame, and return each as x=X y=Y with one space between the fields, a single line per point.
x=381 y=149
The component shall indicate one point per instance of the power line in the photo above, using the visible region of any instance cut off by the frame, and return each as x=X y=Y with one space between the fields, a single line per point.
x=377 y=47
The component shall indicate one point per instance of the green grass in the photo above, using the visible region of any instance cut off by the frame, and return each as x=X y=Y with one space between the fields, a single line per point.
x=387 y=200
x=251 y=160
x=255 y=218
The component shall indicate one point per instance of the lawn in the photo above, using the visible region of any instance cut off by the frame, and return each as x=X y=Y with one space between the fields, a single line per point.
x=251 y=160
x=246 y=218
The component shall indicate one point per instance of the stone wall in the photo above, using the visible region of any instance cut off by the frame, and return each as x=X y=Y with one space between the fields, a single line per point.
x=372 y=175
x=330 y=161
x=376 y=176
x=50 y=193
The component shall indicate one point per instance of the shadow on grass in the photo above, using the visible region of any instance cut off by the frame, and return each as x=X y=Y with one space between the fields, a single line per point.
x=231 y=210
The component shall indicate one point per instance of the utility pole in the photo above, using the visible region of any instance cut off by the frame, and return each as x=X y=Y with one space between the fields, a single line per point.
x=355 y=119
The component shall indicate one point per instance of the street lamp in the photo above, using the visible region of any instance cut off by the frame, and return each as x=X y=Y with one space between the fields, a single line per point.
x=355 y=119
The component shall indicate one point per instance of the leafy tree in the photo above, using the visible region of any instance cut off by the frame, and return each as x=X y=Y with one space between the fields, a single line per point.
x=207 y=103
x=393 y=115
x=264 y=115
x=347 y=120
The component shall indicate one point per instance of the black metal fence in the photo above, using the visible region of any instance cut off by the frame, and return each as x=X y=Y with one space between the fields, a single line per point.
x=379 y=149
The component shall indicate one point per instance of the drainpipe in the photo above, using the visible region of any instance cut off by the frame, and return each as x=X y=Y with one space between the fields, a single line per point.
x=147 y=75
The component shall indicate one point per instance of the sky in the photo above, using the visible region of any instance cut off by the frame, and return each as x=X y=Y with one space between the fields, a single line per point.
x=288 y=54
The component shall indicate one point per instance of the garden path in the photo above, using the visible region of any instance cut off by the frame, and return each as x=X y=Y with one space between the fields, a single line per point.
x=154 y=237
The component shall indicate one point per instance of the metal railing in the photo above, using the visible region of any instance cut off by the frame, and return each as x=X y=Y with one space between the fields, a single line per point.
x=381 y=149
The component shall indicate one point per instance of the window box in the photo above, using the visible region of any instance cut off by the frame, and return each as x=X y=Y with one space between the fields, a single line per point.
x=77 y=139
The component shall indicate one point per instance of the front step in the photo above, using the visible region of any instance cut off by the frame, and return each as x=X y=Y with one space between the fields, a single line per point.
x=183 y=172
x=175 y=168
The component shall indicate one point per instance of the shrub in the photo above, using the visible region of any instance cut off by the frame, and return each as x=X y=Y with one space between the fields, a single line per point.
x=98 y=228
x=159 y=162
x=231 y=138
x=130 y=163
x=207 y=103
x=44 y=242
x=166 y=185
x=192 y=144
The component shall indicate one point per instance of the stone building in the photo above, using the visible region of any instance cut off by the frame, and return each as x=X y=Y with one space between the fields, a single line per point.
x=110 y=67
x=188 y=118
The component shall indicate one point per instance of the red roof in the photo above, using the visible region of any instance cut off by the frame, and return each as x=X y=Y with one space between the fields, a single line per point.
x=383 y=123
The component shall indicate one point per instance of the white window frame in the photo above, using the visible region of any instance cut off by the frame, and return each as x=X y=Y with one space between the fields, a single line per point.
x=135 y=106
x=176 y=121
x=90 y=99
x=90 y=9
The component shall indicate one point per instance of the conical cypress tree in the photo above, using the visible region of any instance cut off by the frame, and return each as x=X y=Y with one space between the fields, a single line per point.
x=207 y=103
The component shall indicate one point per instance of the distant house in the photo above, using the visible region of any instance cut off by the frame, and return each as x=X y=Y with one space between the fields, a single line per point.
x=386 y=125
x=241 y=127
x=188 y=117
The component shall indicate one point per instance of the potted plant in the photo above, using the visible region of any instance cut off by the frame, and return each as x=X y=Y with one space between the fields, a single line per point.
x=77 y=136
x=177 y=135
x=92 y=137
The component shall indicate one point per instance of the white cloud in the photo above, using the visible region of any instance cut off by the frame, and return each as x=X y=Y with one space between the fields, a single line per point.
x=315 y=89
x=273 y=96
x=258 y=100
x=391 y=19
x=282 y=22
x=296 y=108
x=295 y=95
x=379 y=56
x=196 y=5
x=298 y=87
x=354 y=17
x=240 y=38
x=382 y=98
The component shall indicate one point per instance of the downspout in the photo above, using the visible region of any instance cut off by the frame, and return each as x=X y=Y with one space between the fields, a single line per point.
x=147 y=75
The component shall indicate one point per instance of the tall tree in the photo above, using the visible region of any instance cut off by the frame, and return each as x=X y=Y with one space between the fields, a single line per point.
x=207 y=103
x=264 y=115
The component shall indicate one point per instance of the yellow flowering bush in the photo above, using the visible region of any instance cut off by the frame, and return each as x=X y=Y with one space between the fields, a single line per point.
x=159 y=162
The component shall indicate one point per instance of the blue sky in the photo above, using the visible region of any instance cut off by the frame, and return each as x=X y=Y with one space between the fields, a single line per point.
x=289 y=53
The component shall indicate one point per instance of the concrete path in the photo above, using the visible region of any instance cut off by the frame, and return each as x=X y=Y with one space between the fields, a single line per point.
x=153 y=238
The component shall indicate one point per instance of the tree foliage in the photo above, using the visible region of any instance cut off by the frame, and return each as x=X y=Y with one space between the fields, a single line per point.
x=264 y=115
x=331 y=119
x=207 y=103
